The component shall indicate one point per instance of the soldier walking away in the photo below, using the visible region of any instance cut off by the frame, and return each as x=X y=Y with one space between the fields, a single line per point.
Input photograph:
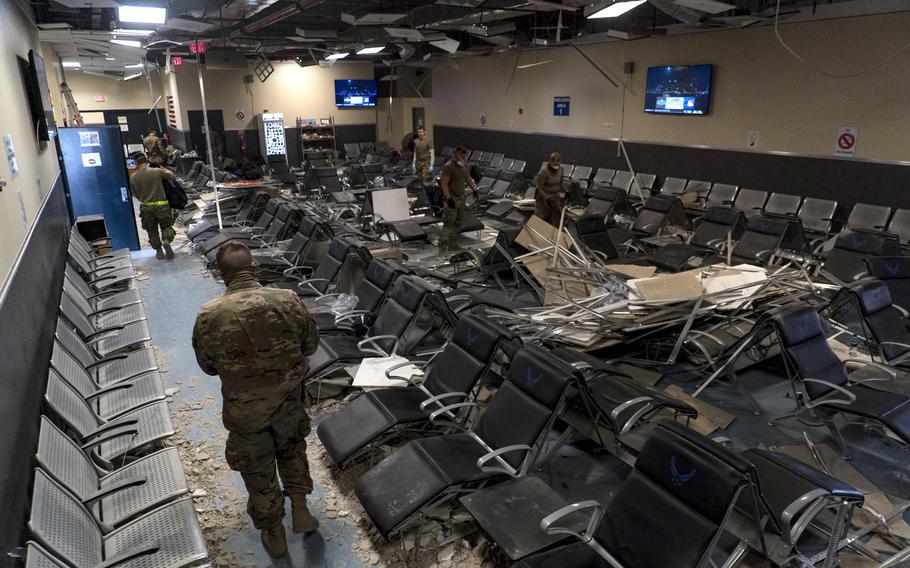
x=424 y=155
x=154 y=148
x=257 y=340
x=154 y=210
x=550 y=196
x=454 y=177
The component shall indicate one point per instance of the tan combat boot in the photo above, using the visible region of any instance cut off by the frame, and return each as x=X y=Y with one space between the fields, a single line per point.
x=304 y=521
x=275 y=541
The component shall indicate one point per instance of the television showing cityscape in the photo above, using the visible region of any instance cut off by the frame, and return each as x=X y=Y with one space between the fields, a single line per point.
x=678 y=89
x=355 y=93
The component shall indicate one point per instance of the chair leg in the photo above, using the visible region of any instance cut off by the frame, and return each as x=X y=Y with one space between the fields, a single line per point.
x=756 y=409
x=838 y=437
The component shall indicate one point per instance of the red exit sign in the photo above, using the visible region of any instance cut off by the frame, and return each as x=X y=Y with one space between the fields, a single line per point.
x=197 y=47
x=177 y=60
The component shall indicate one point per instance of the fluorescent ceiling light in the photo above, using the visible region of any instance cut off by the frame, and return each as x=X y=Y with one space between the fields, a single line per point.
x=134 y=66
x=133 y=76
x=110 y=59
x=142 y=14
x=127 y=42
x=334 y=56
x=138 y=33
x=533 y=64
x=370 y=50
x=616 y=9
x=72 y=64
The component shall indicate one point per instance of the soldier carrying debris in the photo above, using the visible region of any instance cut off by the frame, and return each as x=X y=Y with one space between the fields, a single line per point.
x=257 y=340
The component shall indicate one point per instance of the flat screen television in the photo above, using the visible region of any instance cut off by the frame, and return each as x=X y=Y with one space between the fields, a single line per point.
x=678 y=89
x=38 y=96
x=353 y=93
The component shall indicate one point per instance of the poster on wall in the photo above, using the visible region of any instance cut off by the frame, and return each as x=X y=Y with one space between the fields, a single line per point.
x=561 y=106
x=845 y=145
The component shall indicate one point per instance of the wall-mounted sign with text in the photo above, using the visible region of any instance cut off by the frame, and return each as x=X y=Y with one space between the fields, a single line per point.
x=561 y=106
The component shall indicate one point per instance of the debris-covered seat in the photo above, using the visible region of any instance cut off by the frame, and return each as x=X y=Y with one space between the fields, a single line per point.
x=501 y=444
x=450 y=377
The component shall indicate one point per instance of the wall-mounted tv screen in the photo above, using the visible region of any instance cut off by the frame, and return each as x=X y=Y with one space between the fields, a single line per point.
x=38 y=96
x=355 y=93
x=678 y=89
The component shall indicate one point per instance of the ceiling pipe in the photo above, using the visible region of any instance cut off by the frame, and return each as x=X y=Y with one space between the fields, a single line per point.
x=275 y=17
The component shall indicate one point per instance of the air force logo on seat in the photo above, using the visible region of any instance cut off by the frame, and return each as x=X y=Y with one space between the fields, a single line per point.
x=534 y=380
x=472 y=338
x=678 y=479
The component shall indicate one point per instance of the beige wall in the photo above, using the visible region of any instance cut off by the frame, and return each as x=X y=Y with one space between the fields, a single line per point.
x=305 y=92
x=757 y=87
x=38 y=167
x=118 y=95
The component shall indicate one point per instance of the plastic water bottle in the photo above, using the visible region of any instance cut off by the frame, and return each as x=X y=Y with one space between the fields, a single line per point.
x=853 y=351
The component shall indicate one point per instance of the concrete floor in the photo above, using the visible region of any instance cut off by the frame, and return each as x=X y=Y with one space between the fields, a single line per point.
x=173 y=292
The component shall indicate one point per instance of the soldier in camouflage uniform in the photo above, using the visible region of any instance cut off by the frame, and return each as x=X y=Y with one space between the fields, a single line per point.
x=454 y=177
x=147 y=185
x=154 y=148
x=257 y=340
x=550 y=195
x=424 y=154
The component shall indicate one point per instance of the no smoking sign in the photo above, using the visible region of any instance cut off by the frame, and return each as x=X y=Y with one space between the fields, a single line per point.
x=239 y=115
x=845 y=144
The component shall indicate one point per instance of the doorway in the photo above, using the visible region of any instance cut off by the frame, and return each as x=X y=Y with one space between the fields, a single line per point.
x=197 y=135
x=134 y=126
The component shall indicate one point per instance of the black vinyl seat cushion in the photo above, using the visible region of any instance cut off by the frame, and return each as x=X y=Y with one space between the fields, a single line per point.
x=881 y=317
x=396 y=313
x=894 y=271
x=457 y=369
x=845 y=261
x=807 y=350
x=420 y=471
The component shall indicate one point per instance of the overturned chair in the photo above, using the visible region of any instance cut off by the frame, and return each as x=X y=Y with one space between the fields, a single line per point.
x=501 y=444
x=451 y=377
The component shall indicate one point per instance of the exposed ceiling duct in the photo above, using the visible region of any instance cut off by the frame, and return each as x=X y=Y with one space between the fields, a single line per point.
x=275 y=17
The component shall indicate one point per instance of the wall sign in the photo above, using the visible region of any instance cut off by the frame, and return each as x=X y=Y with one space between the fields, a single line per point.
x=483 y=119
x=239 y=115
x=11 y=156
x=561 y=106
x=99 y=98
x=845 y=145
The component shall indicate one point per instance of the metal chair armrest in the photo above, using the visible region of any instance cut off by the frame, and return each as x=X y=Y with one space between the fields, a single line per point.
x=435 y=399
x=113 y=488
x=131 y=554
x=793 y=521
x=549 y=523
x=375 y=348
x=450 y=407
x=891 y=372
x=850 y=396
x=390 y=370
x=504 y=465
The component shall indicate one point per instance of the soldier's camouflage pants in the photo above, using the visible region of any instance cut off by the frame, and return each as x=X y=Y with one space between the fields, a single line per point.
x=158 y=223
x=452 y=220
x=422 y=169
x=255 y=456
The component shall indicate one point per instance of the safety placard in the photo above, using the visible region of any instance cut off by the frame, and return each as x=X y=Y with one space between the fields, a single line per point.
x=90 y=138
x=561 y=106
x=845 y=145
x=91 y=160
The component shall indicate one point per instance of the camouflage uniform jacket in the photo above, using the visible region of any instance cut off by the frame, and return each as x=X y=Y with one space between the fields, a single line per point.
x=257 y=340
x=154 y=149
